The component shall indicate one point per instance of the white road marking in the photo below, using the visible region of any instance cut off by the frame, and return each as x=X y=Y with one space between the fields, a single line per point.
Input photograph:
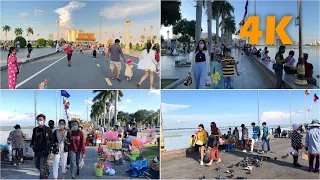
x=29 y=78
x=108 y=81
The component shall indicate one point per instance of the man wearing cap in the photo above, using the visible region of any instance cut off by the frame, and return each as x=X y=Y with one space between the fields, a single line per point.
x=312 y=145
x=134 y=130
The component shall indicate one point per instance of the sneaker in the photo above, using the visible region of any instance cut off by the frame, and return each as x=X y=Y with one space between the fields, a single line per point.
x=78 y=172
x=316 y=171
x=262 y=152
x=244 y=151
x=201 y=163
x=68 y=166
x=297 y=165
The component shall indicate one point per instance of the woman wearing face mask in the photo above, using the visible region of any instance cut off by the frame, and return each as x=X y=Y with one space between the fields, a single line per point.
x=77 y=148
x=201 y=141
x=61 y=143
x=13 y=68
x=200 y=65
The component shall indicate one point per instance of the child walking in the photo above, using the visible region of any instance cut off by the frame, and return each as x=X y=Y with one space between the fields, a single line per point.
x=217 y=72
x=94 y=54
x=128 y=73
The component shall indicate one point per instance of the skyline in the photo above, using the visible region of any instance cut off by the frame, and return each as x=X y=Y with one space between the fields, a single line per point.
x=187 y=109
x=84 y=15
x=17 y=107
x=310 y=31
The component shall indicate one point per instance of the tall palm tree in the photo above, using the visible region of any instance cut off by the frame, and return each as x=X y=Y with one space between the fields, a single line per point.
x=29 y=32
x=108 y=97
x=198 y=21
x=97 y=110
x=208 y=6
x=18 y=31
x=216 y=15
x=6 y=29
x=230 y=27
x=226 y=10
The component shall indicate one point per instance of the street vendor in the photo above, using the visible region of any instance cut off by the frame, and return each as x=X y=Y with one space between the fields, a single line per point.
x=117 y=127
x=134 y=130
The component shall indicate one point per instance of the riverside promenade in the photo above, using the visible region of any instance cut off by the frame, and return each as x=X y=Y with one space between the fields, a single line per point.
x=175 y=164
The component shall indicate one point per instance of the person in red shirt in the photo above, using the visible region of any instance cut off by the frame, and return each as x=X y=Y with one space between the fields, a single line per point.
x=309 y=70
x=77 y=148
x=69 y=51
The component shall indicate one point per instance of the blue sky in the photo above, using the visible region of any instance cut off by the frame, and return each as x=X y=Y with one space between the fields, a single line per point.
x=187 y=109
x=81 y=15
x=310 y=14
x=18 y=106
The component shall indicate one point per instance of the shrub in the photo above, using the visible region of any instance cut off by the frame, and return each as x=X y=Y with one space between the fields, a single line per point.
x=23 y=42
x=50 y=42
x=130 y=45
x=41 y=42
x=137 y=46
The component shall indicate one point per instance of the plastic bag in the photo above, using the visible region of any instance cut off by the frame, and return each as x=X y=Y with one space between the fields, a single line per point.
x=81 y=164
x=208 y=81
x=305 y=156
x=293 y=152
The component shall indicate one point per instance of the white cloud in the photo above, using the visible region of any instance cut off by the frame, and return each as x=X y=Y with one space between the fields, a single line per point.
x=74 y=114
x=25 y=15
x=38 y=12
x=141 y=107
x=133 y=8
x=127 y=100
x=9 y=118
x=173 y=107
x=66 y=12
x=182 y=121
x=36 y=22
x=276 y=115
x=156 y=92
x=88 y=101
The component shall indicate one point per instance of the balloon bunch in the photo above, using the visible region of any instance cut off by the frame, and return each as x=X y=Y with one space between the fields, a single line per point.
x=139 y=142
x=110 y=136
x=44 y=84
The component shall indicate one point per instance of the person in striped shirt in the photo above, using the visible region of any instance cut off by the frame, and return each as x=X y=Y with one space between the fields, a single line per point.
x=229 y=65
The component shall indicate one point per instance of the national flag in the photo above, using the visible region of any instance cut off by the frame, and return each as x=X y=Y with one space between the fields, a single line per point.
x=64 y=93
x=307 y=92
x=315 y=97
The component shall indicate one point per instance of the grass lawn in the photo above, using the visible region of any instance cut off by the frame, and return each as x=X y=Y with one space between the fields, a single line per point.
x=167 y=82
x=150 y=152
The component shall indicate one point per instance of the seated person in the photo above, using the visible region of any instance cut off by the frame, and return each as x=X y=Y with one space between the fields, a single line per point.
x=267 y=57
x=191 y=140
x=284 y=133
x=289 y=65
x=309 y=71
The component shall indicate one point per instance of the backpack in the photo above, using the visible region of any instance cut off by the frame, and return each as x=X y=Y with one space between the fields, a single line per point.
x=259 y=131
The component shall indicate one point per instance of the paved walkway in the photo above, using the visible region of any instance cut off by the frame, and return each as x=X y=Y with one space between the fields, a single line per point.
x=170 y=71
x=250 y=75
x=22 y=54
x=189 y=167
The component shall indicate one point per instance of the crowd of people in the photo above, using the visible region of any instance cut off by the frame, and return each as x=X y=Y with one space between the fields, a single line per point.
x=204 y=141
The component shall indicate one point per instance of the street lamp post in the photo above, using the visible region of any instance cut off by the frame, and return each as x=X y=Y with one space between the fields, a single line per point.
x=58 y=23
x=151 y=27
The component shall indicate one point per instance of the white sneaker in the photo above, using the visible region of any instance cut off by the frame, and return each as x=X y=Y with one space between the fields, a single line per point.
x=201 y=163
x=244 y=151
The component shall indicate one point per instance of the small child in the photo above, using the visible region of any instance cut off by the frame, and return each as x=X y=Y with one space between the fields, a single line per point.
x=217 y=72
x=128 y=73
x=191 y=141
x=94 y=54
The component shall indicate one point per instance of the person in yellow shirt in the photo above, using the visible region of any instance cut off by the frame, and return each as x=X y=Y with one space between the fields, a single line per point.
x=192 y=141
x=201 y=141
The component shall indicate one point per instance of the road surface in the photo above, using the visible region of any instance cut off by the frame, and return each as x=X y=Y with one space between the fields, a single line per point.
x=85 y=73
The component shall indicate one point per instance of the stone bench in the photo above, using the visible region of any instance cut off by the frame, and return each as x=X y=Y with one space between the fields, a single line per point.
x=179 y=60
x=289 y=79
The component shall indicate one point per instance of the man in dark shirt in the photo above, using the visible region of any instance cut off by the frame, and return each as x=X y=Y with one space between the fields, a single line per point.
x=309 y=70
x=29 y=46
x=41 y=143
x=134 y=130
x=278 y=67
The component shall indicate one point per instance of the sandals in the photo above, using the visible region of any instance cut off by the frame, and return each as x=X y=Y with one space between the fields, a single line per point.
x=119 y=79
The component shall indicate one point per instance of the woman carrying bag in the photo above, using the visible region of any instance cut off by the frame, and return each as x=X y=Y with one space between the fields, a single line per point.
x=62 y=139
x=200 y=65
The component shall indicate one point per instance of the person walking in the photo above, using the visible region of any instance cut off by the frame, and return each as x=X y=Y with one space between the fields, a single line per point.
x=148 y=63
x=62 y=139
x=265 y=136
x=17 y=144
x=51 y=125
x=201 y=141
x=217 y=72
x=229 y=66
x=77 y=149
x=41 y=143
x=81 y=49
x=296 y=143
x=244 y=137
x=279 y=131
x=69 y=51
x=236 y=135
x=200 y=65
x=278 y=67
x=312 y=145
x=255 y=136
x=13 y=68
x=115 y=51
x=29 y=48
x=213 y=143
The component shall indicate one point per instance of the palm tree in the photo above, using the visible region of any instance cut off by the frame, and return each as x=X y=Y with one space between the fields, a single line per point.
x=198 y=21
x=6 y=28
x=108 y=97
x=97 y=111
x=230 y=27
x=29 y=32
x=216 y=15
x=18 y=31
x=208 y=6
x=226 y=9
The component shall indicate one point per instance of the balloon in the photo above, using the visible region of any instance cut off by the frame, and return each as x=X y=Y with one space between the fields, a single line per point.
x=150 y=131
x=148 y=140
x=109 y=135
x=135 y=142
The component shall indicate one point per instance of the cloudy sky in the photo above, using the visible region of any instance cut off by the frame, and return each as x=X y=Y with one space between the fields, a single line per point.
x=83 y=15
x=187 y=109
x=310 y=16
x=17 y=107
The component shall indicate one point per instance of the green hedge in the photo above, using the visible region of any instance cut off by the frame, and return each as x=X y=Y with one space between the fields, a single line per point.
x=23 y=42
x=41 y=42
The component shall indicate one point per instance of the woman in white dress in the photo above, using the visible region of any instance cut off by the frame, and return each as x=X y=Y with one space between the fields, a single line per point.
x=147 y=62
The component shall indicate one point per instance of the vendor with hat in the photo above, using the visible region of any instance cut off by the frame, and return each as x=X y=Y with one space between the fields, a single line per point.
x=134 y=129
x=117 y=127
x=313 y=145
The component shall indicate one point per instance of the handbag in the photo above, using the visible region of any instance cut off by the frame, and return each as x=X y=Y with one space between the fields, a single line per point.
x=199 y=143
x=188 y=81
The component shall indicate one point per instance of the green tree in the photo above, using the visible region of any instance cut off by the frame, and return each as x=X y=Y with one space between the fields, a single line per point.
x=97 y=111
x=29 y=32
x=18 y=31
x=170 y=12
x=229 y=28
x=41 y=42
x=50 y=42
x=137 y=46
x=130 y=45
x=22 y=41
x=186 y=29
x=6 y=29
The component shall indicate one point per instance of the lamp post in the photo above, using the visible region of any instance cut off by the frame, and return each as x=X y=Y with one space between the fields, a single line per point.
x=151 y=27
x=144 y=35
x=58 y=23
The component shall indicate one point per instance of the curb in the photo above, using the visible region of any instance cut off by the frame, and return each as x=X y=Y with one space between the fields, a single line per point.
x=175 y=84
x=30 y=60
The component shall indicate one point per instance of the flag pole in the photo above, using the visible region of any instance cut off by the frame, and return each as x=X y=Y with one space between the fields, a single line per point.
x=290 y=108
x=60 y=108
x=56 y=108
x=35 y=108
x=305 y=106
x=258 y=108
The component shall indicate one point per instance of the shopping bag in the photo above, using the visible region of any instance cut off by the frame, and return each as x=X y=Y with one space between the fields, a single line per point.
x=188 y=80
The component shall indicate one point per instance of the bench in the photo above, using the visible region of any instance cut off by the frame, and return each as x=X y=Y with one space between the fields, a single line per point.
x=179 y=60
x=289 y=79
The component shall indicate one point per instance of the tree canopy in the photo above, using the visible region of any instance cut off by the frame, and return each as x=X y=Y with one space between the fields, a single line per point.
x=170 y=12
